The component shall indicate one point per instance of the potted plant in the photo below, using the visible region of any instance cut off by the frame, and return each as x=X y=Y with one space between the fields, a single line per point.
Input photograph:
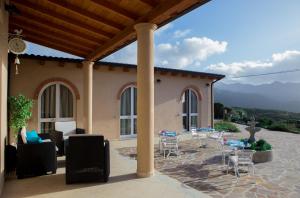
x=263 y=151
x=19 y=113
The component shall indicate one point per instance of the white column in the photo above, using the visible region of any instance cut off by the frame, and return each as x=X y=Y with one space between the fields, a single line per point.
x=88 y=96
x=145 y=99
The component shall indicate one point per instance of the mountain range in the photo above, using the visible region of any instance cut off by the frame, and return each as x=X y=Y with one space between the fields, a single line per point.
x=276 y=95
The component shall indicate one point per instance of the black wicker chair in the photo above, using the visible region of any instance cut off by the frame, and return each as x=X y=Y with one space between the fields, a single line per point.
x=58 y=138
x=87 y=159
x=36 y=159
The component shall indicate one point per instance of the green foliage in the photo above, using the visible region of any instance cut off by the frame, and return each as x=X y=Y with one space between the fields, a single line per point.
x=278 y=127
x=20 y=111
x=238 y=115
x=264 y=122
x=226 y=126
x=261 y=145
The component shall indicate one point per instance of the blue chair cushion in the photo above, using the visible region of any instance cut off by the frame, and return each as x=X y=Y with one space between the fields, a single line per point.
x=33 y=138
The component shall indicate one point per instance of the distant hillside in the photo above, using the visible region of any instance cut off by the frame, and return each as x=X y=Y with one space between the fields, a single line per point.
x=278 y=96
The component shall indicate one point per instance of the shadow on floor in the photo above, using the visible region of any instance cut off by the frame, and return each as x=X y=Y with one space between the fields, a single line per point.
x=51 y=184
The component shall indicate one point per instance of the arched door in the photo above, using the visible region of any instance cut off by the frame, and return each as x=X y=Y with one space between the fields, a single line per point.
x=189 y=110
x=56 y=103
x=128 y=111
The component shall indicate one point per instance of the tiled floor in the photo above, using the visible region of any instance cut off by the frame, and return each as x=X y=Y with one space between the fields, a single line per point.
x=123 y=183
x=201 y=168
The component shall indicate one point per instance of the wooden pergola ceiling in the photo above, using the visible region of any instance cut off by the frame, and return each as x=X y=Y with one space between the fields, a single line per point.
x=91 y=29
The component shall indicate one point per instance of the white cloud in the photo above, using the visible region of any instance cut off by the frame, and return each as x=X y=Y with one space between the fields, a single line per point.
x=163 y=29
x=285 y=61
x=181 y=33
x=278 y=57
x=238 y=67
x=126 y=55
x=189 y=51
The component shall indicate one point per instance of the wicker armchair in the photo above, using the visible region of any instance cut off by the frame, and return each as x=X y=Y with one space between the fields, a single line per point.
x=36 y=159
x=87 y=159
x=59 y=139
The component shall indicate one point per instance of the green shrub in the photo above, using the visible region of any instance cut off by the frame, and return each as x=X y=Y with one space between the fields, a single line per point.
x=278 y=127
x=226 y=126
x=261 y=145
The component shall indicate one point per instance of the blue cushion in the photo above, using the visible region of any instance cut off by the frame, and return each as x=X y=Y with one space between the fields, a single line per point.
x=32 y=137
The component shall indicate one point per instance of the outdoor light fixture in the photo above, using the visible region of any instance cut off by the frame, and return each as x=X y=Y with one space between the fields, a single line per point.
x=158 y=80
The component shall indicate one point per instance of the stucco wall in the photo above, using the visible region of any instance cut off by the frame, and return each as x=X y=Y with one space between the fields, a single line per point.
x=107 y=84
x=3 y=87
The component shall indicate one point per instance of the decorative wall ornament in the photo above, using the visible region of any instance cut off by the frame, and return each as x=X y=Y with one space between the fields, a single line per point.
x=17 y=45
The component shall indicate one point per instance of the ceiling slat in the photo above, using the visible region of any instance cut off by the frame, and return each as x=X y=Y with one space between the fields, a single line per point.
x=31 y=27
x=127 y=33
x=56 y=40
x=87 y=14
x=50 y=13
x=55 y=46
x=151 y=3
x=44 y=22
x=116 y=9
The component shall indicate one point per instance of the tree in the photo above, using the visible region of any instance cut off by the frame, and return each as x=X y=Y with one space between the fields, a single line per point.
x=19 y=111
x=219 y=110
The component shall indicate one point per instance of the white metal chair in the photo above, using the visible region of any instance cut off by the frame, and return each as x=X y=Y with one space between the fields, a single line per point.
x=216 y=135
x=169 y=145
x=226 y=152
x=243 y=158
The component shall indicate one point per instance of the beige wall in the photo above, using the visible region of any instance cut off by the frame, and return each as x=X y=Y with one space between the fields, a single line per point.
x=3 y=86
x=107 y=84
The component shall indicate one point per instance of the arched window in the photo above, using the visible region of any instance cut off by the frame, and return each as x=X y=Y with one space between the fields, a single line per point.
x=56 y=103
x=128 y=112
x=189 y=110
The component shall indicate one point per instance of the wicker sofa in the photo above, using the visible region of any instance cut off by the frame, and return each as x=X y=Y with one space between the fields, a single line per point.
x=87 y=159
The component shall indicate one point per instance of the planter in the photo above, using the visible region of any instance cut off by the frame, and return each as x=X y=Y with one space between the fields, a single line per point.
x=262 y=156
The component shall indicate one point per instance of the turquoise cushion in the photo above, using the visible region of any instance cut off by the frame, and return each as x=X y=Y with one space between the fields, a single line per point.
x=32 y=137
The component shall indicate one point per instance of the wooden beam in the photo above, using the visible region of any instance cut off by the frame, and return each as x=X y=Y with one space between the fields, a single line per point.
x=150 y=3
x=163 y=73
x=79 y=65
x=116 y=9
x=63 y=29
x=87 y=14
x=61 y=64
x=37 y=29
x=41 y=62
x=184 y=74
x=64 y=18
x=128 y=32
x=125 y=69
x=62 y=41
x=111 y=68
x=55 y=46
x=174 y=73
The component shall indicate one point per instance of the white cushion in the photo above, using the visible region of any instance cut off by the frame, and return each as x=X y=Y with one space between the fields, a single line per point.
x=23 y=135
x=68 y=128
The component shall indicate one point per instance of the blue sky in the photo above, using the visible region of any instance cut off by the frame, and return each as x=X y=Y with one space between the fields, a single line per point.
x=234 y=37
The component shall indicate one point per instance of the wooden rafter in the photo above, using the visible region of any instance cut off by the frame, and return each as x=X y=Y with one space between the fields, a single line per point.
x=64 y=29
x=85 y=13
x=127 y=33
x=57 y=46
x=54 y=40
x=151 y=3
x=64 y=18
x=31 y=27
x=116 y=9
